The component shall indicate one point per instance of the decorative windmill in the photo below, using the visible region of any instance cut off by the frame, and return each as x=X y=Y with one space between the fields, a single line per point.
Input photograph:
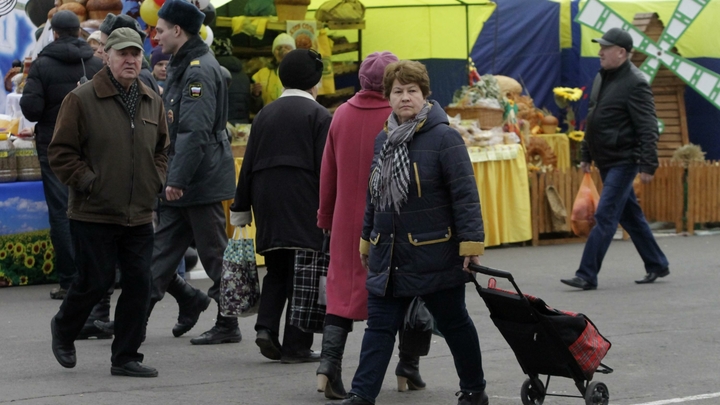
x=597 y=15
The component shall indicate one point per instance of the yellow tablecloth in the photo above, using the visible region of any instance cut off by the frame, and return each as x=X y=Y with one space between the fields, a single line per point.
x=229 y=228
x=560 y=144
x=505 y=200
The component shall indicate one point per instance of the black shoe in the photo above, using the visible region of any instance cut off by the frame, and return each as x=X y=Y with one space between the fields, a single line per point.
x=652 y=276
x=351 y=400
x=107 y=327
x=308 y=356
x=577 y=282
x=64 y=352
x=58 y=293
x=408 y=373
x=218 y=335
x=134 y=369
x=192 y=303
x=269 y=347
x=472 y=398
x=92 y=331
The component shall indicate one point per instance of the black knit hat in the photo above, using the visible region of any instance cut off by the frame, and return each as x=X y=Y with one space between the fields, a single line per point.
x=113 y=22
x=182 y=13
x=301 y=69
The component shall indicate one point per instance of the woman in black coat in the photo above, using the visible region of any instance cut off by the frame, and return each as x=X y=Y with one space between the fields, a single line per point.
x=423 y=227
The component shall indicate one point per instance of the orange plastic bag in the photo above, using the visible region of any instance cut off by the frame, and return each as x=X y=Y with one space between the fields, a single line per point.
x=583 y=212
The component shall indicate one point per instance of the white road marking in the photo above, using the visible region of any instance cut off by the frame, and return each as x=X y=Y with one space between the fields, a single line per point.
x=682 y=400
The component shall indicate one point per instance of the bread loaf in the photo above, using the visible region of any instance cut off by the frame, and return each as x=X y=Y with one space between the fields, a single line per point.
x=76 y=8
x=98 y=9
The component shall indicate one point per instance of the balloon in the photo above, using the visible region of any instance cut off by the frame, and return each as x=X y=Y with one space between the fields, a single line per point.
x=209 y=14
x=200 y=4
x=207 y=35
x=149 y=12
x=159 y=2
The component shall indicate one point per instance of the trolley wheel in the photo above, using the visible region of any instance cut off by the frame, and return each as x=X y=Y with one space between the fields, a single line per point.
x=530 y=395
x=597 y=393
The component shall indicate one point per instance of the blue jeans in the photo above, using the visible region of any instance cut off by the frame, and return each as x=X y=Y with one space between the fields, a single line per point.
x=56 y=197
x=618 y=204
x=385 y=316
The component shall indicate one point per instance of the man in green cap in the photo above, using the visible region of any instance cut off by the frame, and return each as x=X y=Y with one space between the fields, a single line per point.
x=110 y=148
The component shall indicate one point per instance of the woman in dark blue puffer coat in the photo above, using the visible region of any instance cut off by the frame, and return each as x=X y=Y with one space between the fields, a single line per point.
x=422 y=228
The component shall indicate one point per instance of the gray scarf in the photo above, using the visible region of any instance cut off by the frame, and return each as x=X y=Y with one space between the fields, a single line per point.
x=390 y=181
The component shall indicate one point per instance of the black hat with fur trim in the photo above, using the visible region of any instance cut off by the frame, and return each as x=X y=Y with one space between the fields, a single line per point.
x=184 y=14
x=113 y=22
x=301 y=69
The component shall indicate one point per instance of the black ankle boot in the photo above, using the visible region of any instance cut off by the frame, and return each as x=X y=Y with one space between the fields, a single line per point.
x=101 y=313
x=352 y=400
x=329 y=372
x=225 y=331
x=472 y=398
x=192 y=303
x=408 y=373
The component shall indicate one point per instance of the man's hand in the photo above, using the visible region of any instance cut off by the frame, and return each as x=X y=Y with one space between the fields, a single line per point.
x=585 y=166
x=364 y=261
x=646 y=178
x=257 y=89
x=468 y=260
x=172 y=193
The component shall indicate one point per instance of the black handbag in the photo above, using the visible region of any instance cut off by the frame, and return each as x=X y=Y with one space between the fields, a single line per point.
x=417 y=329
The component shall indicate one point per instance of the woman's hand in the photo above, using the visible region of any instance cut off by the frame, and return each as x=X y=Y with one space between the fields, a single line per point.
x=364 y=261
x=468 y=260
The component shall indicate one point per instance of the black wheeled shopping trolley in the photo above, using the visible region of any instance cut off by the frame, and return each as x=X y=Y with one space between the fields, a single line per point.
x=546 y=341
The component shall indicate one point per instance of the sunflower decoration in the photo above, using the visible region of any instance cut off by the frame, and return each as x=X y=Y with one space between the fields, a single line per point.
x=9 y=246
x=577 y=136
x=3 y=254
x=47 y=267
x=48 y=255
x=44 y=244
x=23 y=280
x=567 y=93
x=36 y=248
x=19 y=249
x=29 y=262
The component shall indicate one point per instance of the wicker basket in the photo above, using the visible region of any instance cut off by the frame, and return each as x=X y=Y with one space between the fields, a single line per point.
x=290 y=12
x=488 y=117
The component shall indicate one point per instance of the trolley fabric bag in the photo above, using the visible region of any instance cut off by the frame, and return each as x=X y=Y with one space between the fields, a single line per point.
x=239 y=283
x=307 y=310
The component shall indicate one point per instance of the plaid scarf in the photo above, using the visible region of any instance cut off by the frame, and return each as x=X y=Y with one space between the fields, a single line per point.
x=390 y=181
x=129 y=98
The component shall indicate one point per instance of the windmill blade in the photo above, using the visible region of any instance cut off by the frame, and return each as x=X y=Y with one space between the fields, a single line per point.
x=684 y=15
x=598 y=16
x=700 y=79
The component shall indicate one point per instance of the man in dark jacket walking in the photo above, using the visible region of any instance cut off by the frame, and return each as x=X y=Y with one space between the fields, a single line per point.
x=56 y=72
x=110 y=148
x=621 y=138
x=201 y=171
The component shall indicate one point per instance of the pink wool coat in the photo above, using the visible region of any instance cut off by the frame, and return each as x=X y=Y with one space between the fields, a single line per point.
x=343 y=186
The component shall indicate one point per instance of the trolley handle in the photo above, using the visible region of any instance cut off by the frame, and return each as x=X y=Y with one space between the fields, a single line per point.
x=490 y=272
x=494 y=273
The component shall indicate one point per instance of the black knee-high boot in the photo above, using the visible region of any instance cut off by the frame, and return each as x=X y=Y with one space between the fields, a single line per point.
x=329 y=371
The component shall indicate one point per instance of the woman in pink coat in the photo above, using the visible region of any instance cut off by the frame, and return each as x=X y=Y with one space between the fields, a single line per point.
x=344 y=177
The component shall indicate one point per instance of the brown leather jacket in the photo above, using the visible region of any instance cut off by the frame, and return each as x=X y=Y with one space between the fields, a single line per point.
x=114 y=168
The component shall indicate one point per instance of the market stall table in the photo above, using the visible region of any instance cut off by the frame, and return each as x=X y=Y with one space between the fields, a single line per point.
x=504 y=193
x=560 y=144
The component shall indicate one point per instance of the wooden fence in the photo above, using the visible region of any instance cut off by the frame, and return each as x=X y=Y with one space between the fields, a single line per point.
x=661 y=200
x=703 y=191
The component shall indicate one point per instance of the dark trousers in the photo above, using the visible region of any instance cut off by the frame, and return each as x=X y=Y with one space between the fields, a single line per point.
x=277 y=290
x=618 y=204
x=177 y=228
x=56 y=197
x=385 y=316
x=97 y=248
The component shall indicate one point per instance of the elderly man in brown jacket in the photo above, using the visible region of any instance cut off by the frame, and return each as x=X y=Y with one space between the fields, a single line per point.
x=110 y=148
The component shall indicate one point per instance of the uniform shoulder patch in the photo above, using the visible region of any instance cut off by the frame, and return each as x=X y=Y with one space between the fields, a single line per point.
x=195 y=62
x=195 y=90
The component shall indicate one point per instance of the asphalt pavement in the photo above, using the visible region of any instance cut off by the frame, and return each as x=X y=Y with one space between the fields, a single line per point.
x=665 y=336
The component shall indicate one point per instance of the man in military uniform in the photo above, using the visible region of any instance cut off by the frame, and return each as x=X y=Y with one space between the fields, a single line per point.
x=201 y=172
